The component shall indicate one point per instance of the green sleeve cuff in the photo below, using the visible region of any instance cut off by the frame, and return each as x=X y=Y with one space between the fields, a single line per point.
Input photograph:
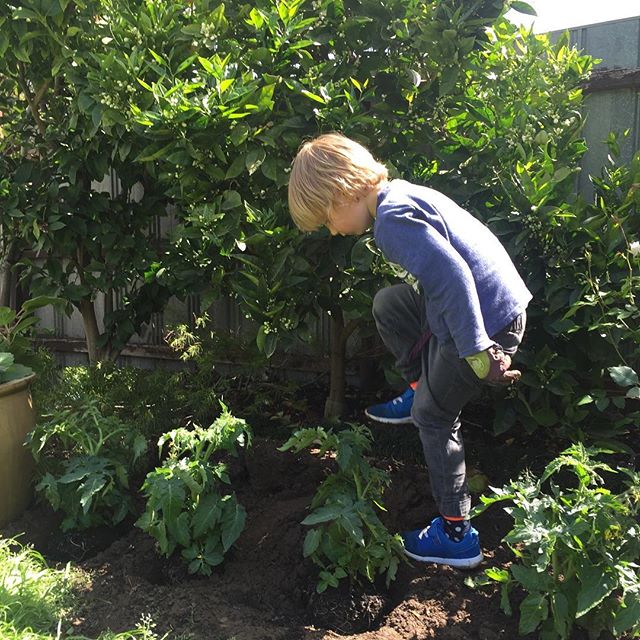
x=480 y=364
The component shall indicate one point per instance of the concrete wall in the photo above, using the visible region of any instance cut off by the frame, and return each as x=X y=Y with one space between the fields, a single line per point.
x=617 y=45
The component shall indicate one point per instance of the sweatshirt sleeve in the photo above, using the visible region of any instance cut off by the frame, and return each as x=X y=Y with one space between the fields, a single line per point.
x=444 y=275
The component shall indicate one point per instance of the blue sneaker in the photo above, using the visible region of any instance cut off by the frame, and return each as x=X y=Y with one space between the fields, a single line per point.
x=433 y=545
x=396 y=411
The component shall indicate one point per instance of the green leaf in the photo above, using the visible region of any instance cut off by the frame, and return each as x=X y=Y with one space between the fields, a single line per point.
x=324 y=514
x=14 y=372
x=6 y=360
x=206 y=515
x=88 y=490
x=207 y=65
x=623 y=376
x=311 y=542
x=139 y=446
x=180 y=529
x=533 y=610
x=530 y=578
x=214 y=558
x=254 y=159
x=269 y=169
x=628 y=616
x=144 y=85
x=448 y=80
x=562 y=619
x=499 y=575
x=152 y=152
x=561 y=174
x=236 y=168
x=523 y=7
x=266 y=342
x=233 y=519
x=231 y=200
x=313 y=96
x=597 y=583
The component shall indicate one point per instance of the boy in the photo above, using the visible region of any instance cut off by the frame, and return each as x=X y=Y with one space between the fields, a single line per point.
x=451 y=338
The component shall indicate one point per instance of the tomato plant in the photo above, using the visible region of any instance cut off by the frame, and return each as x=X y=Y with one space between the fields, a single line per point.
x=186 y=504
x=576 y=545
x=348 y=537
x=85 y=460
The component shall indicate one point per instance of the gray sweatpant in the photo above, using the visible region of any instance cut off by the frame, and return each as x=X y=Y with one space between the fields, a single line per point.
x=445 y=384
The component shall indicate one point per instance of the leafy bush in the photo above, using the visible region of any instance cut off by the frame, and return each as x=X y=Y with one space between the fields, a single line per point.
x=85 y=460
x=350 y=539
x=577 y=547
x=153 y=400
x=448 y=92
x=582 y=259
x=186 y=506
x=16 y=328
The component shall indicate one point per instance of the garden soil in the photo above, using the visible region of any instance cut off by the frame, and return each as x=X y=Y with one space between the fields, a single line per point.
x=265 y=590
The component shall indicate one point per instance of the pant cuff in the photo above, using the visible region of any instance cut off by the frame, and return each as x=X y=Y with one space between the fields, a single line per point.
x=459 y=509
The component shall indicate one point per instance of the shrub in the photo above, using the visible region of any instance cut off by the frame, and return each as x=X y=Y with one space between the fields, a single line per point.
x=348 y=538
x=186 y=507
x=85 y=460
x=577 y=547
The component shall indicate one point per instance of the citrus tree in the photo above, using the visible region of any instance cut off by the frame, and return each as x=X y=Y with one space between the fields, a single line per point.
x=59 y=136
x=202 y=106
x=225 y=121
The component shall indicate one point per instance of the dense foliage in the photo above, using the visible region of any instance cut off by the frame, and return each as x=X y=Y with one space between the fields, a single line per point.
x=204 y=107
x=577 y=547
x=201 y=107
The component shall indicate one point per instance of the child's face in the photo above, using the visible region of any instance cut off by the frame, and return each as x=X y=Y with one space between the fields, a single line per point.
x=349 y=218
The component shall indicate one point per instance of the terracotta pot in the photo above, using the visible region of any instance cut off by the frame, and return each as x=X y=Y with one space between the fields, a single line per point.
x=17 y=418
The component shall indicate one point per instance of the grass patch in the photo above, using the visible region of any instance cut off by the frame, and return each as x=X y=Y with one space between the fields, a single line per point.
x=36 y=600
x=33 y=597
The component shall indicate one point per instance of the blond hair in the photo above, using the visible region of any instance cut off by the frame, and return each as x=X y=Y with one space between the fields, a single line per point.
x=329 y=169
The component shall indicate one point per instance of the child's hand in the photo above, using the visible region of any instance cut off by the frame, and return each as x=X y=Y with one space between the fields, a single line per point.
x=492 y=366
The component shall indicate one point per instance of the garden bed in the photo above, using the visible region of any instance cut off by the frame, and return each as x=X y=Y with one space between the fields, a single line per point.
x=265 y=589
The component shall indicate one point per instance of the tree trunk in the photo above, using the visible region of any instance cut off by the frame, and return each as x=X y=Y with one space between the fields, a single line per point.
x=335 y=405
x=6 y=262
x=92 y=334
x=91 y=331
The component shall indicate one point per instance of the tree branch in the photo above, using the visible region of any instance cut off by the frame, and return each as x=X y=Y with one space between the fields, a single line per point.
x=34 y=101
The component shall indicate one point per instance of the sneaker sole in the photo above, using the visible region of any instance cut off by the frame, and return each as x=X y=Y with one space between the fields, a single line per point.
x=460 y=563
x=408 y=420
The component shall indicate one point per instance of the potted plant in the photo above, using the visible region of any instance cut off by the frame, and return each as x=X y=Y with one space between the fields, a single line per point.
x=17 y=415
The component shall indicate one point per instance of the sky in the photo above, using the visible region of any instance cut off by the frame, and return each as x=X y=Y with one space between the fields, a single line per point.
x=561 y=14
